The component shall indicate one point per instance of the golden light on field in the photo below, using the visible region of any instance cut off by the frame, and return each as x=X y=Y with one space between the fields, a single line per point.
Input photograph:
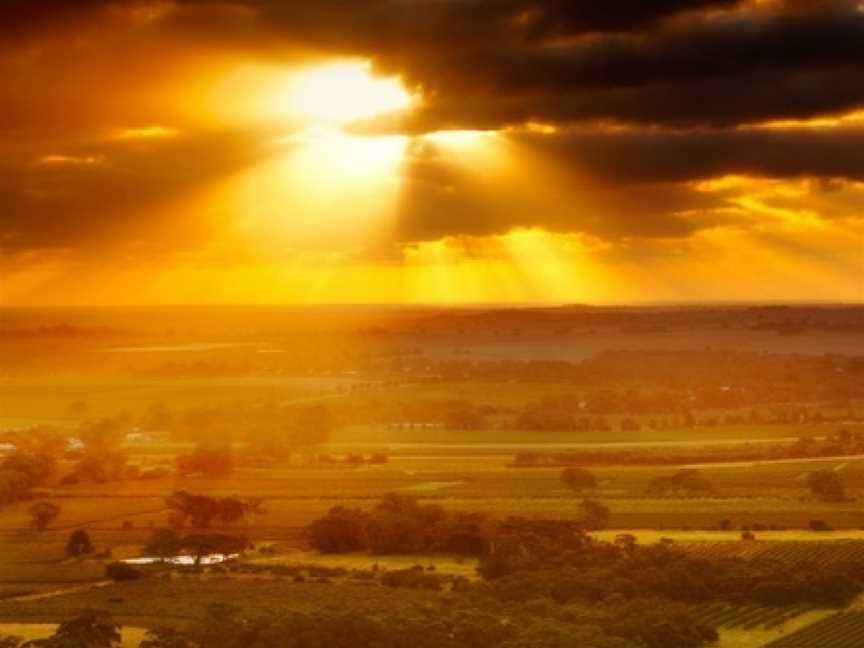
x=340 y=93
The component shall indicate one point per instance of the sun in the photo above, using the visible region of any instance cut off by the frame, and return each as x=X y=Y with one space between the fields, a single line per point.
x=325 y=181
x=343 y=92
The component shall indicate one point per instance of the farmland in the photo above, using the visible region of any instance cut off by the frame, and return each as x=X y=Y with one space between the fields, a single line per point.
x=841 y=630
x=700 y=433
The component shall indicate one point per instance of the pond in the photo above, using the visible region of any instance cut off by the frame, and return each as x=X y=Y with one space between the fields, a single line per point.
x=132 y=636
x=211 y=559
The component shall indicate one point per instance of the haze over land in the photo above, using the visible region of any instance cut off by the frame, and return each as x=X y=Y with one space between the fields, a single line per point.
x=417 y=465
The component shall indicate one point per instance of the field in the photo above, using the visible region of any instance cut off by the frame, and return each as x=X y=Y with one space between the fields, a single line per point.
x=24 y=403
x=185 y=599
x=448 y=400
x=120 y=516
x=843 y=630
x=296 y=495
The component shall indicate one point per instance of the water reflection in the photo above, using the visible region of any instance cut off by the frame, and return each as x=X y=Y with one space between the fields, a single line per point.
x=211 y=559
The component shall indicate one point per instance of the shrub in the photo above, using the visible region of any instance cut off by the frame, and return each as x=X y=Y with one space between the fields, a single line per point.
x=119 y=571
x=79 y=544
x=578 y=479
x=412 y=579
x=827 y=485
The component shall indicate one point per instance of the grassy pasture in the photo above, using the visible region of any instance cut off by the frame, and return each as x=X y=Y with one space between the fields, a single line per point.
x=475 y=476
x=443 y=564
x=44 y=401
x=772 y=494
x=284 y=518
x=94 y=512
x=762 y=494
x=579 y=345
x=400 y=440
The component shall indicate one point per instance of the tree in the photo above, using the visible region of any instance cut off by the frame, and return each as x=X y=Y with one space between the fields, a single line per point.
x=255 y=505
x=683 y=480
x=626 y=541
x=595 y=514
x=164 y=544
x=202 y=510
x=399 y=524
x=341 y=530
x=101 y=466
x=165 y=638
x=102 y=436
x=230 y=510
x=213 y=460
x=208 y=544
x=91 y=629
x=198 y=509
x=79 y=544
x=548 y=633
x=24 y=469
x=819 y=525
x=35 y=468
x=464 y=534
x=660 y=624
x=42 y=514
x=827 y=485
x=578 y=479
x=120 y=571
x=391 y=532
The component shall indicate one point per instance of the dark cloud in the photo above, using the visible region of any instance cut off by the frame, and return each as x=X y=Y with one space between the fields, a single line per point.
x=736 y=68
x=611 y=185
x=622 y=185
x=487 y=64
x=431 y=210
x=494 y=63
x=684 y=76
x=651 y=156
x=116 y=191
x=22 y=18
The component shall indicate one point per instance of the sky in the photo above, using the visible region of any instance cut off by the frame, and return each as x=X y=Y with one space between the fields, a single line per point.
x=431 y=151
